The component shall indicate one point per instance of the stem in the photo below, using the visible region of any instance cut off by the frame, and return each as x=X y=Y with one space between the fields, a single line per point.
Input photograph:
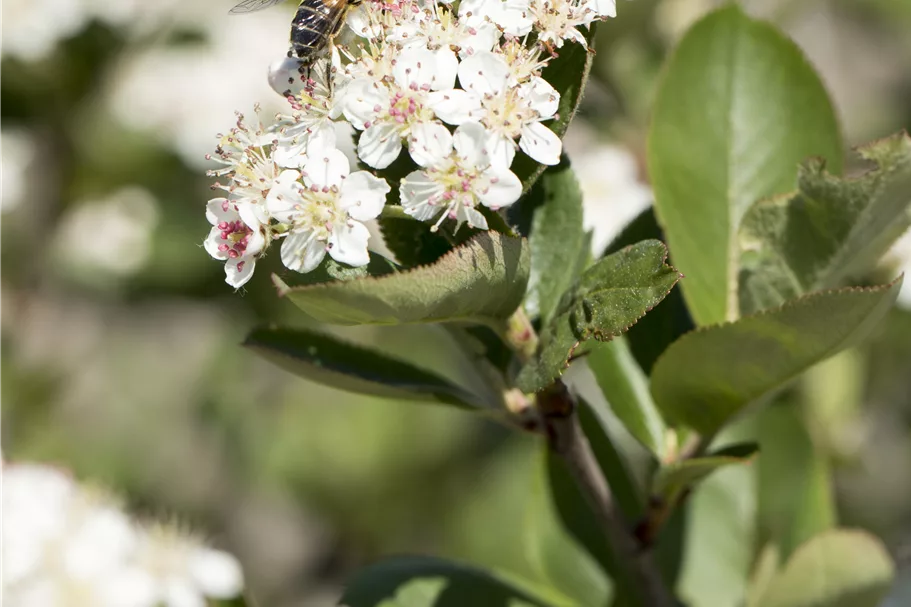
x=566 y=439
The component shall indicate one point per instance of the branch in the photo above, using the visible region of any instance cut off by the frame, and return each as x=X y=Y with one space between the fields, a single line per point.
x=566 y=439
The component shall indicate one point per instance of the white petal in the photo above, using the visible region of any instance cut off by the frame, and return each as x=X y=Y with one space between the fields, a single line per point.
x=415 y=192
x=360 y=22
x=220 y=209
x=541 y=143
x=239 y=271
x=291 y=154
x=348 y=244
x=484 y=73
x=363 y=195
x=252 y=215
x=473 y=218
x=502 y=150
x=379 y=145
x=430 y=143
x=364 y=99
x=470 y=143
x=542 y=97
x=302 y=252
x=326 y=171
x=415 y=68
x=216 y=573
x=321 y=138
x=502 y=189
x=445 y=70
x=284 y=195
x=605 y=8
x=453 y=106
x=485 y=37
x=514 y=17
x=178 y=592
x=285 y=76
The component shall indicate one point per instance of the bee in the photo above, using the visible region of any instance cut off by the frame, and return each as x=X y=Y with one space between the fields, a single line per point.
x=314 y=27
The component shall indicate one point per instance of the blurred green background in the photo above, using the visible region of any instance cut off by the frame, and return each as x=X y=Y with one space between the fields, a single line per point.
x=120 y=355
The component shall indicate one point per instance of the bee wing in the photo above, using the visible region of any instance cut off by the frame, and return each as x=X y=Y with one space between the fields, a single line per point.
x=248 y=6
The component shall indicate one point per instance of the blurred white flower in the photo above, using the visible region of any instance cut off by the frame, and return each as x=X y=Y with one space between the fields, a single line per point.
x=32 y=28
x=18 y=152
x=68 y=546
x=458 y=179
x=899 y=258
x=612 y=194
x=182 y=571
x=182 y=95
x=112 y=235
x=324 y=212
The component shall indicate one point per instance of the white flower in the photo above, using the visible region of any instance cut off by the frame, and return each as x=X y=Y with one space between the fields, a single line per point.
x=324 y=213
x=462 y=177
x=511 y=15
x=406 y=108
x=612 y=192
x=30 y=35
x=601 y=9
x=183 y=572
x=310 y=127
x=65 y=545
x=558 y=20
x=437 y=29
x=239 y=221
x=237 y=237
x=19 y=151
x=512 y=112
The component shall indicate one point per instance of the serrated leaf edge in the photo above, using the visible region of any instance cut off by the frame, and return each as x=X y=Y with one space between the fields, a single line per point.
x=284 y=289
x=784 y=306
x=598 y=335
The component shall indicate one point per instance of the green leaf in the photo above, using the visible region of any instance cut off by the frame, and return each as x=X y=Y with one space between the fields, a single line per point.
x=607 y=299
x=567 y=73
x=563 y=539
x=672 y=480
x=330 y=270
x=708 y=376
x=625 y=387
x=430 y=582
x=412 y=242
x=763 y=573
x=483 y=281
x=838 y=568
x=828 y=229
x=738 y=108
x=335 y=363
x=662 y=326
x=796 y=497
x=719 y=539
x=556 y=239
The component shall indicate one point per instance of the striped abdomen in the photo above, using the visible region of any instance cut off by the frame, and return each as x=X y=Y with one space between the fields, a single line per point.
x=315 y=24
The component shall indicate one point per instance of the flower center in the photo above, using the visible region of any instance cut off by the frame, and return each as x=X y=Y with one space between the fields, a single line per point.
x=507 y=112
x=235 y=236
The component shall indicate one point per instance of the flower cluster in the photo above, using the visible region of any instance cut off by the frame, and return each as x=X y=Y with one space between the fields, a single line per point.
x=65 y=544
x=449 y=93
